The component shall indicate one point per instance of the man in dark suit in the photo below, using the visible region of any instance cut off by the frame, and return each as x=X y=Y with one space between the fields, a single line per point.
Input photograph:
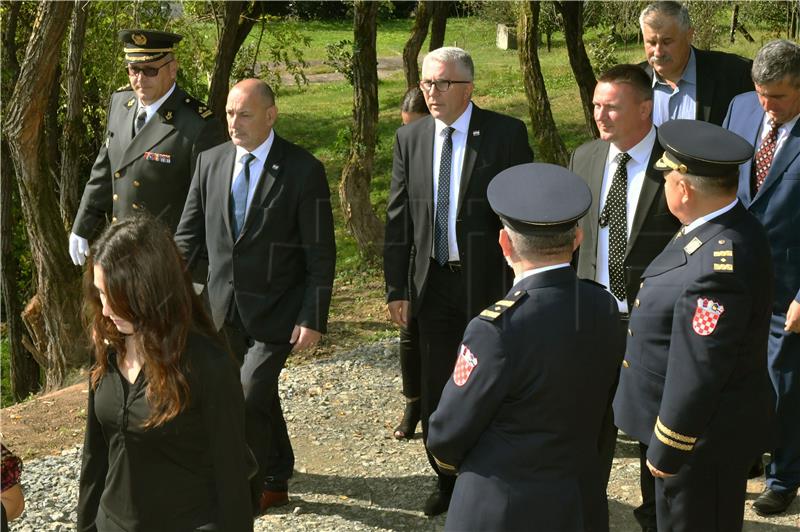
x=260 y=206
x=769 y=187
x=520 y=417
x=437 y=204
x=693 y=385
x=154 y=133
x=629 y=222
x=688 y=83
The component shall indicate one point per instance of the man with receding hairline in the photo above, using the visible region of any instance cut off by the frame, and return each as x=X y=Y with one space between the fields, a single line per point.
x=260 y=207
x=688 y=82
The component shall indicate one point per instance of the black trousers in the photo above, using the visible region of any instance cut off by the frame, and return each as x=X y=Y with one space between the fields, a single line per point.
x=265 y=427
x=645 y=514
x=410 y=359
x=707 y=497
x=442 y=318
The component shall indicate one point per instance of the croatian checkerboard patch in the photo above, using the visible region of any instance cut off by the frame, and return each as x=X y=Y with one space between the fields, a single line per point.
x=464 y=365
x=706 y=316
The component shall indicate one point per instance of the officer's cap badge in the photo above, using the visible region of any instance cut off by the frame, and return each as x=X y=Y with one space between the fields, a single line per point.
x=466 y=362
x=706 y=316
x=139 y=39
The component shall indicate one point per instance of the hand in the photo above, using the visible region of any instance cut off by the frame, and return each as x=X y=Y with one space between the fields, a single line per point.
x=793 y=318
x=398 y=312
x=304 y=338
x=78 y=249
x=657 y=473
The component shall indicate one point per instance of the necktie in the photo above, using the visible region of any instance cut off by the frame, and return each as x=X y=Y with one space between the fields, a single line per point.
x=241 y=187
x=616 y=217
x=140 y=120
x=763 y=159
x=440 y=248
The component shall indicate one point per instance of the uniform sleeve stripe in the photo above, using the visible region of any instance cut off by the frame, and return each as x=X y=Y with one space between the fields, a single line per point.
x=672 y=434
x=446 y=467
x=672 y=443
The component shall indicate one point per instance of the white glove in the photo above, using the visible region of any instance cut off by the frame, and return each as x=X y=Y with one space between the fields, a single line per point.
x=78 y=249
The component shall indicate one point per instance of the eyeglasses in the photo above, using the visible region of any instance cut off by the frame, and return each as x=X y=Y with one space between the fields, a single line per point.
x=442 y=85
x=149 y=72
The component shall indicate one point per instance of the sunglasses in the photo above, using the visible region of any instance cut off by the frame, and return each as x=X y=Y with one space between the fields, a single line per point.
x=149 y=72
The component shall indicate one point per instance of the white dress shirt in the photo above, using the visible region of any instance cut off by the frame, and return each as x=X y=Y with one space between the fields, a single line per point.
x=708 y=217
x=459 y=137
x=783 y=132
x=256 y=166
x=153 y=107
x=637 y=167
x=534 y=271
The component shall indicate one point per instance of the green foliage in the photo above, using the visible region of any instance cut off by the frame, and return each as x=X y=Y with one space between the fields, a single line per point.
x=283 y=45
x=493 y=11
x=706 y=22
x=602 y=51
x=768 y=16
x=339 y=56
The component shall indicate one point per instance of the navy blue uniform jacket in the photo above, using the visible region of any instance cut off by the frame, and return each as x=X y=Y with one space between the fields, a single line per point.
x=522 y=428
x=694 y=384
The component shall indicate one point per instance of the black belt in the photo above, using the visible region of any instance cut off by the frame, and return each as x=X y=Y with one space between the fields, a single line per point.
x=453 y=266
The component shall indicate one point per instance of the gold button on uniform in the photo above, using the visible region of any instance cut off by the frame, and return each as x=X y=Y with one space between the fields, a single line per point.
x=641 y=284
x=116 y=174
x=636 y=303
x=630 y=332
x=113 y=219
x=115 y=196
x=136 y=183
x=625 y=364
x=134 y=205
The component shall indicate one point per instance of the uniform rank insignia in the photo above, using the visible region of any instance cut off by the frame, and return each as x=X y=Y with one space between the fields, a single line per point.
x=165 y=158
x=464 y=365
x=706 y=316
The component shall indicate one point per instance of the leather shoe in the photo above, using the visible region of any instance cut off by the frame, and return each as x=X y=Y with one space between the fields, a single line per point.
x=270 y=499
x=437 y=503
x=773 y=502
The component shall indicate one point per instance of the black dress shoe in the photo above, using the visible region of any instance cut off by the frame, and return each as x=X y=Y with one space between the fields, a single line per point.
x=408 y=426
x=773 y=502
x=437 y=503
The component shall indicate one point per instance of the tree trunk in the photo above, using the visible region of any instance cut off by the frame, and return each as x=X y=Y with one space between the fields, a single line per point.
x=549 y=146
x=58 y=288
x=734 y=22
x=438 y=23
x=357 y=209
x=414 y=44
x=572 y=13
x=72 y=141
x=24 y=370
x=236 y=25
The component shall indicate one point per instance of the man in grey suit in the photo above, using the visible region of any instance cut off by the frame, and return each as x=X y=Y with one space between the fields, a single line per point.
x=154 y=133
x=629 y=222
x=769 y=187
x=260 y=207
x=688 y=82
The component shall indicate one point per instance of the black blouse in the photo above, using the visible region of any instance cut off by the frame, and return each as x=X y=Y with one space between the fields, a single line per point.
x=191 y=471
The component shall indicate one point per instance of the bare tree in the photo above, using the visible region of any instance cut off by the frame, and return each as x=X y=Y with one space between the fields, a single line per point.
x=572 y=15
x=549 y=146
x=359 y=216
x=414 y=43
x=73 y=135
x=58 y=332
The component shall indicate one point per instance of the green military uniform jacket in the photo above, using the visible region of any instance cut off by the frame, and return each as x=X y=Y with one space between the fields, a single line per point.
x=150 y=171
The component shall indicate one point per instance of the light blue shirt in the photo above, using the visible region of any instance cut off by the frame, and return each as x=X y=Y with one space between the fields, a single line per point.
x=256 y=166
x=680 y=102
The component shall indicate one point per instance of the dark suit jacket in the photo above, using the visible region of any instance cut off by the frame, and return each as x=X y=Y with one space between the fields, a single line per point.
x=653 y=224
x=280 y=270
x=720 y=77
x=150 y=171
x=703 y=379
x=777 y=203
x=494 y=143
x=523 y=440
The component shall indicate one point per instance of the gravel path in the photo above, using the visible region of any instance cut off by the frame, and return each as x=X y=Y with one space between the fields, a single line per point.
x=350 y=474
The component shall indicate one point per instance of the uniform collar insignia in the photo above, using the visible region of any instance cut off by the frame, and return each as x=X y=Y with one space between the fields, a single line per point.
x=130 y=102
x=692 y=246
x=168 y=115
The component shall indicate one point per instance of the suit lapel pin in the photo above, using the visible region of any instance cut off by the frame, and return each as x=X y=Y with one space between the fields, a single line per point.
x=276 y=167
x=476 y=133
x=168 y=115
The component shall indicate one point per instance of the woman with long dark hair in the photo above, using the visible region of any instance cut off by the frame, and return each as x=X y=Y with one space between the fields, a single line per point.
x=164 y=447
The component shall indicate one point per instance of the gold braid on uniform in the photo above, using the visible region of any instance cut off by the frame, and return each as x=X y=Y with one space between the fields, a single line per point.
x=494 y=311
x=447 y=468
x=673 y=439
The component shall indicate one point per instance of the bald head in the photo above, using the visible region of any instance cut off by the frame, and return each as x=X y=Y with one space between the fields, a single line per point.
x=251 y=113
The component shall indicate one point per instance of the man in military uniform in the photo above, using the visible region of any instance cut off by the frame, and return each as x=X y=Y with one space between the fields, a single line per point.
x=520 y=418
x=154 y=133
x=694 y=385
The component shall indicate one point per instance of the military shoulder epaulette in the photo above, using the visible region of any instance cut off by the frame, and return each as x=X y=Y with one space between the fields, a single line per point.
x=494 y=311
x=723 y=255
x=201 y=108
